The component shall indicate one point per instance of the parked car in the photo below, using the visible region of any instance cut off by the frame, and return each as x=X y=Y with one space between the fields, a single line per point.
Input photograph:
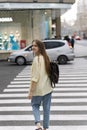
x=57 y=50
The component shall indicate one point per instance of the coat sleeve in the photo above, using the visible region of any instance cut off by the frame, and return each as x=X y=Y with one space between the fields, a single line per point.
x=35 y=70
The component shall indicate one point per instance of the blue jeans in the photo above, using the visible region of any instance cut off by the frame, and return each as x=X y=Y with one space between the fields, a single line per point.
x=46 y=102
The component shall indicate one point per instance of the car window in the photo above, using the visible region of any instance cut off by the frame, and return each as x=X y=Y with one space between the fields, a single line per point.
x=53 y=44
x=29 y=48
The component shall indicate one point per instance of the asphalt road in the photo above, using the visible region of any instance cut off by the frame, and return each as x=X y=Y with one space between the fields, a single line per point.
x=7 y=73
x=69 y=98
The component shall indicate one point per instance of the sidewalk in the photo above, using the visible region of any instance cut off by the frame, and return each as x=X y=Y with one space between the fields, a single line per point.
x=4 y=54
x=80 y=51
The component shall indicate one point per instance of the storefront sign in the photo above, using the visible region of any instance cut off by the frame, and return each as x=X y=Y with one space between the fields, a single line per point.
x=6 y=19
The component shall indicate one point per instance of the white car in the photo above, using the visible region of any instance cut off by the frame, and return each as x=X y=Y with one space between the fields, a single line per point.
x=57 y=50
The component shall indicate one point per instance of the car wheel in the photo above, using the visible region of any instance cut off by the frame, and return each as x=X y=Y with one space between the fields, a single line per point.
x=20 y=60
x=62 y=60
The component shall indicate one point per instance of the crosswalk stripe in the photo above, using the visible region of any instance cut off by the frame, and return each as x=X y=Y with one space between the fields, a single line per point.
x=20 y=82
x=73 y=78
x=12 y=101
x=59 y=90
x=70 y=81
x=17 y=90
x=71 y=89
x=22 y=108
x=62 y=95
x=57 y=85
x=71 y=85
x=23 y=76
x=53 y=108
x=18 y=85
x=75 y=100
x=74 y=81
x=61 y=78
x=69 y=102
x=5 y=95
x=22 y=79
x=56 y=89
x=61 y=75
x=73 y=73
x=27 y=72
x=52 y=117
x=51 y=127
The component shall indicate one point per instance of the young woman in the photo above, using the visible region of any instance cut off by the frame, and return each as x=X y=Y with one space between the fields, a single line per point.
x=40 y=88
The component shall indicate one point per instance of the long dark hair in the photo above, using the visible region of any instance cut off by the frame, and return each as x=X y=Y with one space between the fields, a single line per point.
x=42 y=51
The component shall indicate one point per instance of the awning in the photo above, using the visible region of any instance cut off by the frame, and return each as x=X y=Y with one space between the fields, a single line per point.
x=18 y=6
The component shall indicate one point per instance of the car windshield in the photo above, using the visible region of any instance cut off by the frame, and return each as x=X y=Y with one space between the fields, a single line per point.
x=29 y=47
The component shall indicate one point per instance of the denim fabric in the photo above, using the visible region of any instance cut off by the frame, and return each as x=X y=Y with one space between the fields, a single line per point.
x=46 y=102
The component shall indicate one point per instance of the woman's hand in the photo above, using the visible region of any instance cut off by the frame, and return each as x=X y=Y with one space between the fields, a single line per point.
x=30 y=95
x=32 y=88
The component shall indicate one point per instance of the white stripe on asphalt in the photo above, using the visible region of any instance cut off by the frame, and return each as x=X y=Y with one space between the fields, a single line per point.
x=18 y=101
x=70 y=89
x=54 y=95
x=5 y=95
x=75 y=100
x=70 y=94
x=51 y=128
x=53 y=108
x=22 y=79
x=52 y=117
x=23 y=76
x=26 y=72
x=25 y=108
x=70 y=85
x=20 y=82
x=56 y=89
x=73 y=78
x=74 y=75
x=73 y=81
x=16 y=90
x=80 y=75
x=57 y=85
x=77 y=72
x=18 y=85
x=69 y=78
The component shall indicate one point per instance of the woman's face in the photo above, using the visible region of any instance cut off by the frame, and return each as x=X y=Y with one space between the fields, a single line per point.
x=35 y=48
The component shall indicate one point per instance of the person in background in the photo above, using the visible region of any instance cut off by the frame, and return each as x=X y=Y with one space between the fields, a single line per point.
x=40 y=91
x=72 y=41
x=68 y=40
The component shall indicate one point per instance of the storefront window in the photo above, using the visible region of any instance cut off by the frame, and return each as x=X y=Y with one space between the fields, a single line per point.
x=19 y=28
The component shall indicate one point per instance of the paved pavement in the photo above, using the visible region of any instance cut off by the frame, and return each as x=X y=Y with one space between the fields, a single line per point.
x=81 y=48
x=69 y=101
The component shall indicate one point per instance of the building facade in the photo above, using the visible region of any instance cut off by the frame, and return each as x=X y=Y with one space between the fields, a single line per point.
x=21 y=21
x=82 y=18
